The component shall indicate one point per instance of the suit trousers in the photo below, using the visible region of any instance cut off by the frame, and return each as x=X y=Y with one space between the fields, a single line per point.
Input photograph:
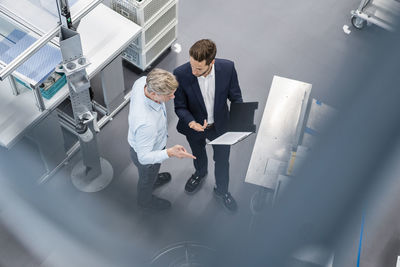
x=147 y=177
x=221 y=158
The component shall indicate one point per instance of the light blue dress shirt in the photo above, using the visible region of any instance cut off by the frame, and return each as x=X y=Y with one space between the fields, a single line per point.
x=147 y=133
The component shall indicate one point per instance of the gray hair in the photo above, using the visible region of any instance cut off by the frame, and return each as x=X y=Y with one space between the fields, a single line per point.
x=161 y=82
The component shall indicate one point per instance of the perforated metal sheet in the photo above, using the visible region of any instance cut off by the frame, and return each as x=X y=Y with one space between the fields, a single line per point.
x=152 y=8
x=161 y=45
x=160 y=24
x=143 y=59
x=125 y=8
x=39 y=65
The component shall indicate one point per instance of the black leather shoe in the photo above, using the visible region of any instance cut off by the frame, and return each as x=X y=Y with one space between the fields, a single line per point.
x=228 y=201
x=156 y=204
x=193 y=184
x=162 y=179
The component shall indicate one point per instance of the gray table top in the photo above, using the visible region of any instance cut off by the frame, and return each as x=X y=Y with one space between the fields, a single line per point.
x=279 y=130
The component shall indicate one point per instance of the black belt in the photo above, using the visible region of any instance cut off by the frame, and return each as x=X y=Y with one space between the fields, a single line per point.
x=209 y=126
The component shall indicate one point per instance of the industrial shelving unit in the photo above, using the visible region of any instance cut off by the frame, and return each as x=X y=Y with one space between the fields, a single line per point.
x=158 y=19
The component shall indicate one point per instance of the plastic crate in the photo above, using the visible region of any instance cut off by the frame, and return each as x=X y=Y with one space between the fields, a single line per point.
x=142 y=58
x=140 y=12
x=52 y=90
x=159 y=24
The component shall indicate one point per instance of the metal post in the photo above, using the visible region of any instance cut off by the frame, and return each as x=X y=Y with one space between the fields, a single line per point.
x=67 y=126
x=39 y=99
x=99 y=108
x=65 y=116
x=13 y=85
x=92 y=173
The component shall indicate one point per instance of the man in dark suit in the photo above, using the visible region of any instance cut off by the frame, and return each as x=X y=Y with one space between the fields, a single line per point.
x=205 y=84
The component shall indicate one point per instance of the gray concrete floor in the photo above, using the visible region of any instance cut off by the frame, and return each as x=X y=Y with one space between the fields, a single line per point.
x=302 y=40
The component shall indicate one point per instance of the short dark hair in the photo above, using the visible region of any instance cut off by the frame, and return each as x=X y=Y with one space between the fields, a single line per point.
x=204 y=49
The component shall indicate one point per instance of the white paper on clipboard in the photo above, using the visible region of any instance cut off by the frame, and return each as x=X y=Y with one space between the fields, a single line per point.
x=230 y=138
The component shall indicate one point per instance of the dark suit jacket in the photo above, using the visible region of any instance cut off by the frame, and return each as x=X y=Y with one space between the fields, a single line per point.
x=189 y=102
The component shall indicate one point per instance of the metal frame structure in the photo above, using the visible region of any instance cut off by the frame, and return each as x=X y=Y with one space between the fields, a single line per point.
x=43 y=40
x=114 y=99
x=92 y=173
x=379 y=12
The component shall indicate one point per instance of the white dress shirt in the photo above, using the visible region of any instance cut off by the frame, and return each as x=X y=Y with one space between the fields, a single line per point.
x=207 y=88
x=147 y=133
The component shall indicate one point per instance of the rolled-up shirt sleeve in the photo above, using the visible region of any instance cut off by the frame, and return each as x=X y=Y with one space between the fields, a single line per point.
x=146 y=138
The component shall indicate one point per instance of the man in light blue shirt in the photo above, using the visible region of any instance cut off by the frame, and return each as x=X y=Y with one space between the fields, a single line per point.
x=147 y=134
